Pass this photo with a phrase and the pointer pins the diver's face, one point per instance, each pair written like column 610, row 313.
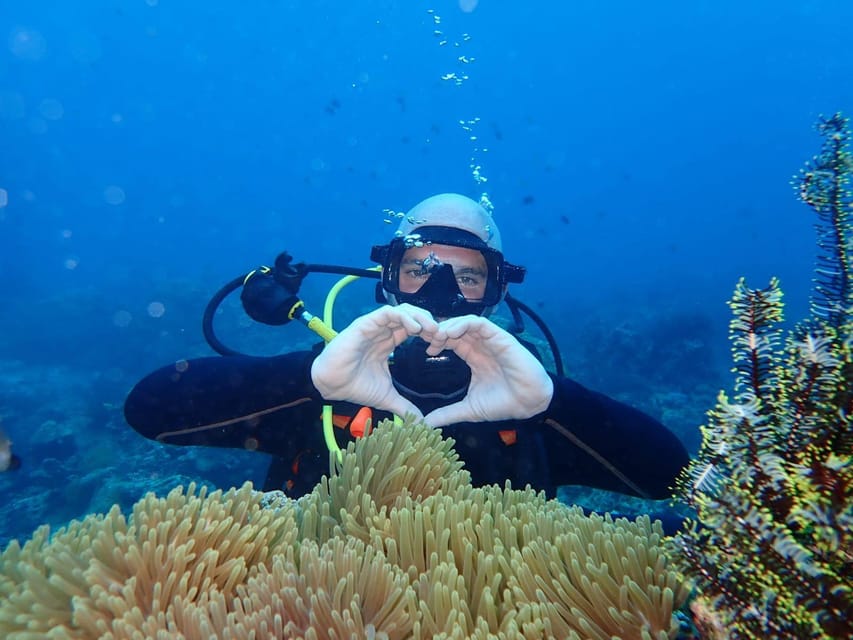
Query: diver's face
column 469, row 268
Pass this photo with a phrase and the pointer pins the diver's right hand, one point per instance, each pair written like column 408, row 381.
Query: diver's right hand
column 354, row 366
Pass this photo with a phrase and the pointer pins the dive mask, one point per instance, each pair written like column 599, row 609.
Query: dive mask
column 440, row 293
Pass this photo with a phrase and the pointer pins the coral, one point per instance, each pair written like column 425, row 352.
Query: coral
column 395, row 543
column 772, row 486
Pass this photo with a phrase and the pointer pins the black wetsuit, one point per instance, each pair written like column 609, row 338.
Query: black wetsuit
column 270, row 404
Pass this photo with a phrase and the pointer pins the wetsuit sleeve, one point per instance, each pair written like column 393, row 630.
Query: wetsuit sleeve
column 595, row 440
column 265, row 404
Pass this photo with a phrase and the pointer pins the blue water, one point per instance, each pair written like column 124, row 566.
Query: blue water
column 638, row 156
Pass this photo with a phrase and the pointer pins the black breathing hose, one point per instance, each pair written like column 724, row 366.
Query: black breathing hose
column 552, row 343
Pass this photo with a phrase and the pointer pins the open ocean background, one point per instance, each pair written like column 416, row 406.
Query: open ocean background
column 638, row 155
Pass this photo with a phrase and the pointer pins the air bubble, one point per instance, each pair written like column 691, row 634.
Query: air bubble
column 27, row 44
column 114, row 195
column 156, row 309
column 51, row 109
column 122, row 318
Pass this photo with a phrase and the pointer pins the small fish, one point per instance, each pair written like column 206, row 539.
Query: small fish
column 332, row 106
column 8, row 460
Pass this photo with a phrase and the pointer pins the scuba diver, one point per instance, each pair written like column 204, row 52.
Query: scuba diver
column 430, row 350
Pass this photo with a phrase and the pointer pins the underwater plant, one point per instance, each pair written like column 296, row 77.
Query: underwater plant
column 770, row 549
column 394, row 544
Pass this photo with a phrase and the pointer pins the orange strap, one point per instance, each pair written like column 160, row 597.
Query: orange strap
column 359, row 424
column 508, row 436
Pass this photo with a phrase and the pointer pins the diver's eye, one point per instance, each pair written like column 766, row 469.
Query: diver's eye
column 418, row 273
column 468, row 281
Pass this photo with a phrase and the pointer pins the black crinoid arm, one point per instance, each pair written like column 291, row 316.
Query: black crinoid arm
column 824, row 185
column 770, row 550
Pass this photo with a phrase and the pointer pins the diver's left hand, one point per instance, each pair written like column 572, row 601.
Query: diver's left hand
column 507, row 381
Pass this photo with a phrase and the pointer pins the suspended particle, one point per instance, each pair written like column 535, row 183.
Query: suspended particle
column 449, row 76
column 442, row 43
column 437, row 33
